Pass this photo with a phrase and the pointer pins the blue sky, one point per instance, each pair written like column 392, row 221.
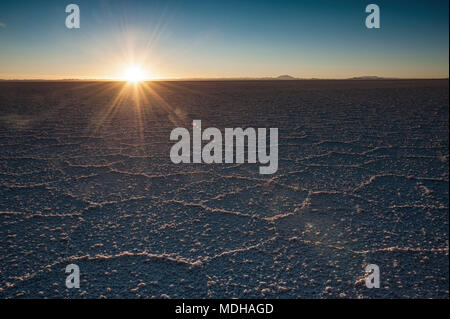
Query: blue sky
column 179, row 39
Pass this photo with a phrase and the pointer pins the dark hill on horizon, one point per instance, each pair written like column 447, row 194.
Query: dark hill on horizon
column 285, row 77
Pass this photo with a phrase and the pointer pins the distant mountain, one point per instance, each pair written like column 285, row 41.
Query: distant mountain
column 369, row 77
column 285, row 77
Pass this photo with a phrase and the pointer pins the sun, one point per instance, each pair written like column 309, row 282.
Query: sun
column 133, row 74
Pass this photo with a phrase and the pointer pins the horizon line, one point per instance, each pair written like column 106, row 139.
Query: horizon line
column 279, row 78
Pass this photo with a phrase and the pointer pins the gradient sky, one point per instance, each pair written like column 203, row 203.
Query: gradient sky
column 190, row 38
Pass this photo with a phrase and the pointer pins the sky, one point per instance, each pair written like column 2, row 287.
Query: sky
column 223, row 39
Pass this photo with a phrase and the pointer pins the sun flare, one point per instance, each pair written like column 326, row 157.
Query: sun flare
column 133, row 74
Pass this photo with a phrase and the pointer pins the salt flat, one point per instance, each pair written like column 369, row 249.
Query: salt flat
column 86, row 178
